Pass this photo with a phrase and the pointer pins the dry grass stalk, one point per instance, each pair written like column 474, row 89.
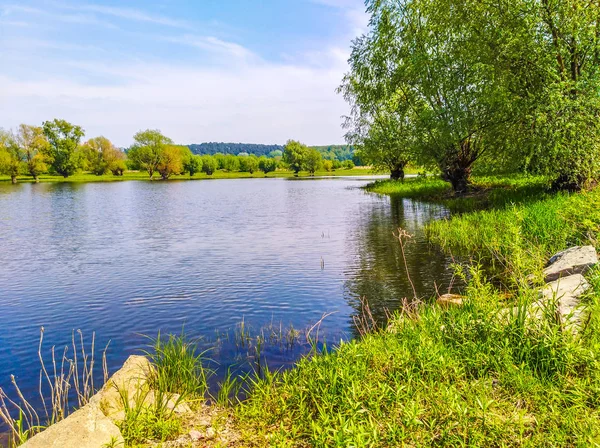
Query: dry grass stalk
column 58, row 388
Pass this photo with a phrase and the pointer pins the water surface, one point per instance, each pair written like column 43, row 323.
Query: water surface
column 130, row 258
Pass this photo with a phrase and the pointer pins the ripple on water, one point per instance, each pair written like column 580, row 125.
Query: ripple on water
column 132, row 258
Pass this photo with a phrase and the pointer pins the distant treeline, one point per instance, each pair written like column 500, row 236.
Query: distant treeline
column 331, row 152
column 57, row 147
column 213, row 148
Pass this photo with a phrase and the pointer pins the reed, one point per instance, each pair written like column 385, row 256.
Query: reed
column 179, row 366
column 69, row 378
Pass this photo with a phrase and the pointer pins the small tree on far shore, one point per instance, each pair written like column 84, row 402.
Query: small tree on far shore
column 267, row 165
column 312, row 161
column 193, row 164
column 35, row 149
column 294, row 155
column 147, row 150
column 209, row 165
column 64, row 139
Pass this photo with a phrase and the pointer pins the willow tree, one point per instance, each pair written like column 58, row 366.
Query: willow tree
column 103, row 156
column 35, row 149
column 64, row 138
column 148, row 148
column 565, row 124
column 385, row 138
column 10, row 156
column 430, row 54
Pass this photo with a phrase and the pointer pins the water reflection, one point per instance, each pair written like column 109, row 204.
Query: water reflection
column 379, row 272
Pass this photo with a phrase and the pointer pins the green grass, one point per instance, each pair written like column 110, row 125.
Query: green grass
column 487, row 191
column 451, row 377
column 519, row 238
column 143, row 176
column 178, row 367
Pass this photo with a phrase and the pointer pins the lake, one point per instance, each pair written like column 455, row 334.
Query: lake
column 128, row 259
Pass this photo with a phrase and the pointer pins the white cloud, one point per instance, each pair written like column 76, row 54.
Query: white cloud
column 126, row 13
column 252, row 103
column 212, row 44
column 353, row 10
column 77, row 18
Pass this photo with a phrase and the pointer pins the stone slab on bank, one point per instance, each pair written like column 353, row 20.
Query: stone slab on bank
column 86, row 428
column 574, row 260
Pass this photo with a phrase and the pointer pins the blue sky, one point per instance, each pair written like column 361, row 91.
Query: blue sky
column 205, row 70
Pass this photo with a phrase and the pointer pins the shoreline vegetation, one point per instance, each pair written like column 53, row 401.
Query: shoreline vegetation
column 142, row 176
column 468, row 375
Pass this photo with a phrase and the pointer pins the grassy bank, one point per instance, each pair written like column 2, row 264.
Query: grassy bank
column 458, row 377
column 220, row 174
column 468, row 376
column 475, row 375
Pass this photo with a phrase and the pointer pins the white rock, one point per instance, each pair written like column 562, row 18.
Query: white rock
column 86, row 428
column 575, row 260
column 129, row 381
column 567, row 291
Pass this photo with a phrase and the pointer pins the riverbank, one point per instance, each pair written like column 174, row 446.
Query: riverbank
column 459, row 376
column 220, row 174
column 473, row 375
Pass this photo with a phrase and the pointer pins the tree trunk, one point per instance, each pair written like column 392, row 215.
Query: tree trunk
column 13, row 179
column 397, row 173
column 36, row 178
column 458, row 176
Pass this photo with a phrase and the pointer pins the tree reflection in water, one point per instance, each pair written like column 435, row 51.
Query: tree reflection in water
column 379, row 272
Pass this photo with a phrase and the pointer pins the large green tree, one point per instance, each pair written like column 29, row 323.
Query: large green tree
column 10, row 156
column 294, row 155
column 267, row 165
column 35, row 149
column 565, row 124
column 148, row 149
column 509, row 82
column 102, row 156
column 429, row 57
column 64, row 138
column 312, row 161
column 385, row 138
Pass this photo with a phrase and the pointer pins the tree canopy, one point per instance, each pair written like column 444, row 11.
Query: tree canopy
column 64, row 139
column 508, row 82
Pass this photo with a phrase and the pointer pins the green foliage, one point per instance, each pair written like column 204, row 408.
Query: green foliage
column 468, row 376
column 312, row 161
column 10, row 156
column 171, row 160
column 267, row 165
column 102, row 156
column 193, row 164
column 248, row 164
column 148, row 149
column 328, row 165
column 35, row 149
column 508, row 84
column 230, row 162
column 294, row 155
column 64, row 139
column 209, row 165
column 385, row 138
column 178, row 367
